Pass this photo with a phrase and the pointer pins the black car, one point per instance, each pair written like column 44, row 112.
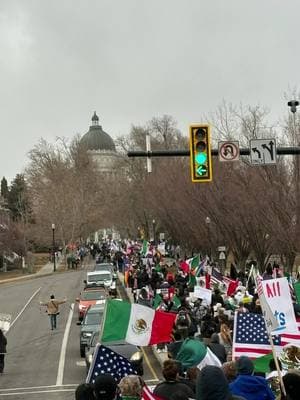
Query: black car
column 90, row 324
column 129, row 351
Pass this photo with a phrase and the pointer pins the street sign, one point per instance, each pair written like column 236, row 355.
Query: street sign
column 222, row 248
column 222, row 255
column 263, row 151
column 229, row 151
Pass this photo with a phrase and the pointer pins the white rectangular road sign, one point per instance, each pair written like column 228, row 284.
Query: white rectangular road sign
column 263, row 151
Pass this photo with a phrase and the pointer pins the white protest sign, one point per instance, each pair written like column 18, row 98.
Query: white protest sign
column 278, row 297
column 162, row 248
column 5, row 320
column 203, row 293
column 270, row 319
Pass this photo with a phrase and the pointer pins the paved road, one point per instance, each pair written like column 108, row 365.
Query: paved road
column 45, row 364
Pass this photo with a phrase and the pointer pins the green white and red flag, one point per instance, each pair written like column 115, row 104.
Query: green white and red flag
column 136, row 324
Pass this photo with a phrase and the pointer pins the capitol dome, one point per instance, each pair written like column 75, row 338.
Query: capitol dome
column 96, row 139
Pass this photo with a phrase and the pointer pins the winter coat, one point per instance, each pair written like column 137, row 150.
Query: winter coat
column 211, row 384
column 3, row 343
column 251, row 387
column 166, row 389
column 53, row 306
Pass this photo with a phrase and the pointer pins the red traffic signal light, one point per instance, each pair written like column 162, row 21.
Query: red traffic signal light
column 200, row 153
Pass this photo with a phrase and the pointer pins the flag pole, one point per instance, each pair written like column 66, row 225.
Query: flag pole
column 234, row 336
column 277, row 365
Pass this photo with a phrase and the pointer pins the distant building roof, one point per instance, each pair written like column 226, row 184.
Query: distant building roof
column 96, row 138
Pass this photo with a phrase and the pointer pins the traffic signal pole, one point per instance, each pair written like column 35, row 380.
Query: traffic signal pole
column 214, row 152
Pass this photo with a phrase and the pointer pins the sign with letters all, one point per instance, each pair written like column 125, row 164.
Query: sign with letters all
column 278, row 296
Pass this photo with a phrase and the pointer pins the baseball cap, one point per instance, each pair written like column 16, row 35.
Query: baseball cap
column 105, row 387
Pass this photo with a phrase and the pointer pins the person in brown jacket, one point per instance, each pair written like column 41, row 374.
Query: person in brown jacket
column 53, row 309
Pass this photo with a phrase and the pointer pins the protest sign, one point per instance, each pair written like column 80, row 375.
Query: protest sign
column 278, row 297
column 203, row 293
column 161, row 247
column 5, row 320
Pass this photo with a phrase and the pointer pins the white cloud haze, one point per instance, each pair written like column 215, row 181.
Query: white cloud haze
column 132, row 60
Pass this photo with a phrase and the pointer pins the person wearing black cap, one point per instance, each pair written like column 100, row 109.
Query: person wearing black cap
column 105, row 387
column 247, row 385
column 84, row 391
column 291, row 382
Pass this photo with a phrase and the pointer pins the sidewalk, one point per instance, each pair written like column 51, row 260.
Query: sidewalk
column 47, row 269
column 160, row 356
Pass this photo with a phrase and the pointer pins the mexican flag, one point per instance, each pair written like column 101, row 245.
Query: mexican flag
column 261, row 364
column 194, row 265
column 136, row 324
column 145, row 248
column 194, row 353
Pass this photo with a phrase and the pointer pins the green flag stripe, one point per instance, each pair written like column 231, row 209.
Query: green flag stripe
column 297, row 291
column 261, row 364
column 116, row 320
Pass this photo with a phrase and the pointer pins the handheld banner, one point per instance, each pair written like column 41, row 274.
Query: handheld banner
column 278, row 297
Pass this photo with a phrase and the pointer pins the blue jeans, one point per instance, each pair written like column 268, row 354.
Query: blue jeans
column 53, row 321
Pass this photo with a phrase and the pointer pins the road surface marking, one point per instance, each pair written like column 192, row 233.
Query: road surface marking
column 61, row 365
column 38, row 387
column 80, row 363
column 20, row 313
column 149, row 365
column 37, row 392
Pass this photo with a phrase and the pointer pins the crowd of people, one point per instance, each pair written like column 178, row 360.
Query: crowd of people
column 169, row 288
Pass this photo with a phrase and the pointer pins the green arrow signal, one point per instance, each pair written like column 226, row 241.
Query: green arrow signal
column 201, row 170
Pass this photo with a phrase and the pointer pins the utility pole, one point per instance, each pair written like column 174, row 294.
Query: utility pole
column 293, row 104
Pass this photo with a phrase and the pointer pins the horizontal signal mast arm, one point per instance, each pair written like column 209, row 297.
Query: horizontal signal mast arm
column 214, row 152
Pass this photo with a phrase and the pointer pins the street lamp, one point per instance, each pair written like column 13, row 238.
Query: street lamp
column 53, row 247
column 207, row 221
column 293, row 104
column 153, row 227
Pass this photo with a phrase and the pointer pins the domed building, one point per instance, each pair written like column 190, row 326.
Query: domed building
column 100, row 146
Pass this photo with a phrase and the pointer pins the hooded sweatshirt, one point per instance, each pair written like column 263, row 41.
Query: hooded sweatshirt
column 251, row 387
column 217, row 348
column 211, row 384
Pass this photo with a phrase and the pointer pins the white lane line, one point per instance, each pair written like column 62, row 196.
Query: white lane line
column 61, row 365
column 20, row 313
column 37, row 392
column 39, row 387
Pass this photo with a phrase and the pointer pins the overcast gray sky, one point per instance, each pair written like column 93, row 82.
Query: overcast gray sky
column 131, row 60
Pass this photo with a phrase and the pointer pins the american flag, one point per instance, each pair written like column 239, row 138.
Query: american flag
column 106, row 361
column 216, row 277
column 250, row 336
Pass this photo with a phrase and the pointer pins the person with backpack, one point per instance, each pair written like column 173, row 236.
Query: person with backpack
column 53, row 309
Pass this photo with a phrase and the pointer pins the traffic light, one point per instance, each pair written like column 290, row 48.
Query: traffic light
column 200, row 153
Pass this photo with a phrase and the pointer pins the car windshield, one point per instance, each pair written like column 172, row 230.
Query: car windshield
column 107, row 268
column 100, row 277
column 93, row 318
column 93, row 295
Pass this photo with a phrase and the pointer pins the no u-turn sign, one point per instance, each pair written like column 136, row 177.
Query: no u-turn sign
column 229, row 151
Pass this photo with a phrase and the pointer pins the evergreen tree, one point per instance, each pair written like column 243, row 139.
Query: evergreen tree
column 17, row 201
column 4, row 188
